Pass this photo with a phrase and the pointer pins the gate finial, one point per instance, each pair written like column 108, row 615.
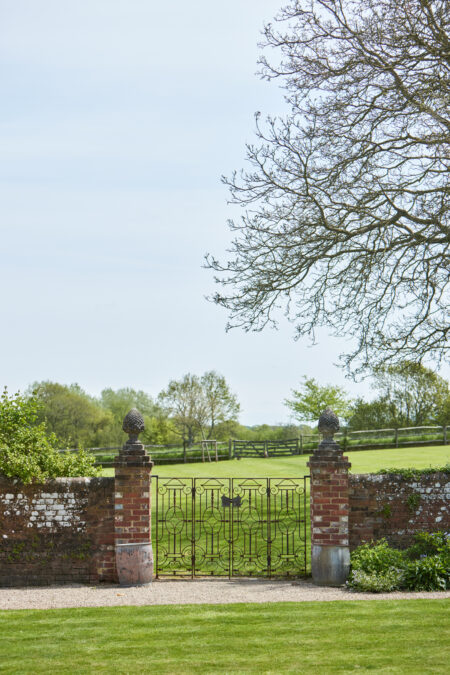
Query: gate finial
column 328, row 425
column 133, row 425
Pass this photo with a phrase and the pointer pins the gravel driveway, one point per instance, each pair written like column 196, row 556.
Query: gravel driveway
column 210, row 591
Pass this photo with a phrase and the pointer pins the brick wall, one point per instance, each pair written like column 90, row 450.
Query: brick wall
column 58, row 532
column 394, row 507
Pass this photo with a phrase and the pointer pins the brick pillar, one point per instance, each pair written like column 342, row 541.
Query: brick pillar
column 132, row 507
column 330, row 554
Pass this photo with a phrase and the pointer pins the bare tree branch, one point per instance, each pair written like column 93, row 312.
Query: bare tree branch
column 347, row 197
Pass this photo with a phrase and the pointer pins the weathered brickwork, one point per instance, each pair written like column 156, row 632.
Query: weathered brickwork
column 329, row 499
column 132, row 504
column 388, row 505
column 59, row 532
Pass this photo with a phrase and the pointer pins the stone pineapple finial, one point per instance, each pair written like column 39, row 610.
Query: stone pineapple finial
column 328, row 425
column 133, row 425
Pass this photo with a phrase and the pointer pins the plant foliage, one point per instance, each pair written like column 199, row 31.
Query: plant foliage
column 424, row 566
column 27, row 451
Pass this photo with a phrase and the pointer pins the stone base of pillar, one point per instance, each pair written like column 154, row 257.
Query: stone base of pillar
column 134, row 564
column 330, row 565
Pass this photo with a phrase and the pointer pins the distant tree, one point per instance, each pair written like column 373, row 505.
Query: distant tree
column 415, row 395
column 73, row 416
column 186, row 405
column 346, row 197
column 376, row 414
column 120, row 401
column 197, row 405
column 310, row 401
column 28, row 451
column 221, row 404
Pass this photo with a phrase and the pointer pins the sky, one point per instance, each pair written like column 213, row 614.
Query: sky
column 118, row 118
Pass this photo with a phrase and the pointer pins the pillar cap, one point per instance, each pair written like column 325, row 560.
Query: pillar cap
column 328, row 424
column 133, row 425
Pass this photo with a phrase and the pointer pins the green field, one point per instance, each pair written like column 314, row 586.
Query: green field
column 179, row 534
column 384, row 636
column 363, row 461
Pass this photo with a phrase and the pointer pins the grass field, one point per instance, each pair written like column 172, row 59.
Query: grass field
column 174, row 531
column 363, row 461
column 324, row 637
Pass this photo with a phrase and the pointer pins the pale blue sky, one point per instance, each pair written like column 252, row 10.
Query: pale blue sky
column 117, row 119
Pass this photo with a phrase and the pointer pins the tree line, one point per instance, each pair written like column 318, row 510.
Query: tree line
column 406, row 395
column 204, row 407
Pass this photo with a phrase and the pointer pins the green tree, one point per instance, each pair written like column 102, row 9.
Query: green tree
column 28, row 451
column 415, row 395
column 346, row 197
column 74, row 417
column 312, row 399
column 376, row 414
column 120, row 401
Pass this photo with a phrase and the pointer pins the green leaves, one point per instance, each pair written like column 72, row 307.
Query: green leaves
column 424, row 566
column 312, row 399
column 27, row 451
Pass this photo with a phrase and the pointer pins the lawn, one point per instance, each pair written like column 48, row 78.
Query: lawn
column 385, row 636
column 363, row 461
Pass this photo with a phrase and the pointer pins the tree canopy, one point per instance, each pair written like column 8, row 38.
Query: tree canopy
column 346, row 197
column 28, row 451
column 73, row 416
column 312, row 399
column 408, row 394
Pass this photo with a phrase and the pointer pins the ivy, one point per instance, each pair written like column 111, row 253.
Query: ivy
column 413, row 474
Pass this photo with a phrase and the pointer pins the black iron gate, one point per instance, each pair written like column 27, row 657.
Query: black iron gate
column 231, row 526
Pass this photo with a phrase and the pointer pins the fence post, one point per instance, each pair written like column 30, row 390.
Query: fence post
column 230, row 449
column 132, row 507
column 184, row 451
column 301, row 444
column 396, row 438
column 330, row 554
column 265, row 449
column 444, row 431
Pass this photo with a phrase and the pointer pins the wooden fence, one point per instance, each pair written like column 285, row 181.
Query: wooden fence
column 212, row 450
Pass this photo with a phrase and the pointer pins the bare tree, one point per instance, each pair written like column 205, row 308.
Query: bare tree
column 198, row 404
column 346, row 198
column 221, row 404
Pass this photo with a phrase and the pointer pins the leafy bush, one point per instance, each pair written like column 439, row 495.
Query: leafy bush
column 375, row 582
column 27, row 451
column 429, row 544
column 428, row 574
column 425, row 566
column 376, row 558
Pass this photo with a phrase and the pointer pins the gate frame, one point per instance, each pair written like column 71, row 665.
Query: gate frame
column 191, row 483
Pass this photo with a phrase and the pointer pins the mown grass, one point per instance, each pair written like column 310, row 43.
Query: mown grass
column 323, row 637
column 363, row 461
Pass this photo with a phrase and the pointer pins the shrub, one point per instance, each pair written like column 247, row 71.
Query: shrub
column 425, row 566
column 27, row 451
column 376, row 557
column 429, row 544
column 375, row 582
column 428, row 574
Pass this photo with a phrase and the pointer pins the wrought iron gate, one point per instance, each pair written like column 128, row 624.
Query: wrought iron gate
column 230, row 526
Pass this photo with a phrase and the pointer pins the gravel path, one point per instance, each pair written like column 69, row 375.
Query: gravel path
column 187, row 592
